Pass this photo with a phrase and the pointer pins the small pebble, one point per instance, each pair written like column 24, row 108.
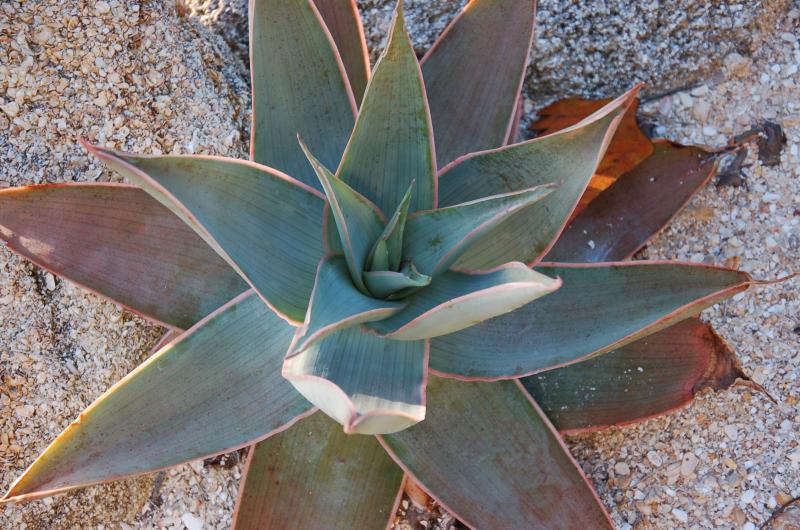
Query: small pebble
column 192, row 522
column 748, row 496
column 680, row 515
column 621, row 468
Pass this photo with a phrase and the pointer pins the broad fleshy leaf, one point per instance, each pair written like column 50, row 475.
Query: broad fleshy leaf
column 627, row 149
column 223, row 372
column 388, row 250
column 336, row 304
column 392, row 143
column 265, row 224
column 313, row 476
column 386, row 283
column 358, row 221
column 299, row 87
column 617, row 223
column 368, row 384
column 121, row 243
column 652, row 376
column 516, row 473
column 599, row 308
column 473, row 75
column 456, row 300
column 435, row 239
column 568, row 157
column 344, row 22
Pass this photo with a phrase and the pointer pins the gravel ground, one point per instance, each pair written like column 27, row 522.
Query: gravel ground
column 724, row 462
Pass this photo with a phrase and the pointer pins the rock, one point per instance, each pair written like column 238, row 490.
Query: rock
column 622, row 469
column 654, row 458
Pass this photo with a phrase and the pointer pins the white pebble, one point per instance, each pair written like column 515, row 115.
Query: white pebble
column 50, row 282
column 622, row 469
column 748, row 496
column 731, row 432
column 654, row 459
column 786, row 425
column 101, row 8
column 192, row 522
column 680, row 515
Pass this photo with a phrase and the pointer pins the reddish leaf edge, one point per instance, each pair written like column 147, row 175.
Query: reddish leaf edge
column 354, row 419
column 427, row 108
column 553, row 432
column 118, row 157
column 511, row 125
column 662, row 322
column 724, row 372
column 18, row 499
column 9, row 245
column 334, row 49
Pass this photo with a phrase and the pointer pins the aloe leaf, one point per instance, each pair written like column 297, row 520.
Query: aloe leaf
column 568, row 157
column 456, row 300
column 509, row 467
column 229, row 361
column 652, row 376
column 358, row 221
column 368, row 384
column 265, row 224
column 119, row 242
column 392, row 143
column 435, row 239
column 336, row 304
column 313, row 476
column 299, row 87
column 388, row 250
column 600, row 307
column 384, row 283
column 344, row 22
column 474, row 73
column 619, row 222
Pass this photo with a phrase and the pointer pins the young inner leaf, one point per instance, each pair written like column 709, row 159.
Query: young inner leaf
column 388, row 249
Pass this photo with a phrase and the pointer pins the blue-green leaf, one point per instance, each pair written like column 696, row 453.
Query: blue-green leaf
column 386, row 283
column 392, row 143
column 568, row 157
column 368, row 384
column 336, row 304
column 599, row 308
column 179, row 404
column 265, row 224
column 388, row 250
column 456, row 300
column 436, row 238
column 299, row 87
column 358, row 221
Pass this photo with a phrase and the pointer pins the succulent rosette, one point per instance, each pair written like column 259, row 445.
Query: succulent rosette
column 356, row 267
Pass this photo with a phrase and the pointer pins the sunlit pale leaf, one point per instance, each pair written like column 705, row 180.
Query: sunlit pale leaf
column 368, row 384
column 456, row 300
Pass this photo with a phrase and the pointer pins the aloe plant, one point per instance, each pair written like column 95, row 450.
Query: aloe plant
column 352, row 267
